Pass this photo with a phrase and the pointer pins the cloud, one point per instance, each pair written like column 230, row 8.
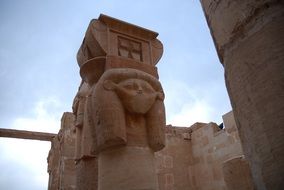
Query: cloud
column 23, row 164
column 25, row 161
column 198, row 110
column 45, row 118
column 186, row 105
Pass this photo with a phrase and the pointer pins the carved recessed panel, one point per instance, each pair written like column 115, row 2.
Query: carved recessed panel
column 129, row 48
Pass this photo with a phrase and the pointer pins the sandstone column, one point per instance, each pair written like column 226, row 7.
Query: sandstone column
column 249, row 39
column 124, row 114
column 129, row 122
column 85, row 157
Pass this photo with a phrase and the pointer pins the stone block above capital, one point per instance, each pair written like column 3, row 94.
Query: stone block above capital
column 112, row 43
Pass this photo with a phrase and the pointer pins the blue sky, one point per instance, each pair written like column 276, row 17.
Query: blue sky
column 40, row 76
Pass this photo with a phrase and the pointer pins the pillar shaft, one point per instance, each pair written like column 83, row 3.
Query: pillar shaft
column 124, row 114
column 248, row 36
column 127, row 168
column 87, row 174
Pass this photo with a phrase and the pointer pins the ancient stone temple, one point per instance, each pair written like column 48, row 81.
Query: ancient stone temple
column 117, row 138
column 201, row 156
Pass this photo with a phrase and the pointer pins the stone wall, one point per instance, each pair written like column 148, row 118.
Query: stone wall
column 237, row 174
column 192, row 159
column 172, row 162
column 61, row 164
column 211, row 146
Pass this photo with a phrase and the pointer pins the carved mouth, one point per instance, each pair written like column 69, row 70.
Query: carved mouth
column 140, row 103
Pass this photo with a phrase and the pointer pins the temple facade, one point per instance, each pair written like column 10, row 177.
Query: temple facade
column 201, row 156
column 116, row 138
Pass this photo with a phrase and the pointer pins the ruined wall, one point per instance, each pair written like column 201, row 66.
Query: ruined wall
column 172, row 162
column 192, row 159
column 61, row 164
column 211, row 146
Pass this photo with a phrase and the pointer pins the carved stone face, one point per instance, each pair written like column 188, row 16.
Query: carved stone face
column 137, row 95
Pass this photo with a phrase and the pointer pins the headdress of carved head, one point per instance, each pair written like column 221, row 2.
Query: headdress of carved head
column 128, row 91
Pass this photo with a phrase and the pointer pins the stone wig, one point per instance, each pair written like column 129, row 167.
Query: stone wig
column 109, row 112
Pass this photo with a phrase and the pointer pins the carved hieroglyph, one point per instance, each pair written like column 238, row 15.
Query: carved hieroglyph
column 120, row 114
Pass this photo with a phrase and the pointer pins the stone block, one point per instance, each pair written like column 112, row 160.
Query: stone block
column 237, row 174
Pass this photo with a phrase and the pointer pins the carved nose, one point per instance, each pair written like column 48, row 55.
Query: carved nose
column 139, row 91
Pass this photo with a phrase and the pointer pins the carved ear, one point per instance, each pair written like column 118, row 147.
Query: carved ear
column 109, row 85
column 160, row 96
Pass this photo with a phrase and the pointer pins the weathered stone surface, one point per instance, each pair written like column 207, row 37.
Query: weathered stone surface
column 249, row 39
column 86, row 174
column 22, row 134
column 237, row 174
column 53, row 161
column 129, row 110
column 61, row 163
column 111, row 43
column 172, row 162
column 84, row 139
column 119, row 107
column 192, row 159
column 130, row 167
column 85, row 151
column 210, row 148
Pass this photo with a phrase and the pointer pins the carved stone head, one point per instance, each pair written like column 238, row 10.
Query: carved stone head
column 128, row 91
column 136, row 95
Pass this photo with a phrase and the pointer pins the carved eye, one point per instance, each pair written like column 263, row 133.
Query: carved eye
column 147, row 88
column 129, row 86
column 132, row 85
column 135, row 86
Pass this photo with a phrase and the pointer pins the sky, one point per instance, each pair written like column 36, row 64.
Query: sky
column 39, row 74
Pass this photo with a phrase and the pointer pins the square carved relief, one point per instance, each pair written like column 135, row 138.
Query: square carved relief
column 129, row 48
